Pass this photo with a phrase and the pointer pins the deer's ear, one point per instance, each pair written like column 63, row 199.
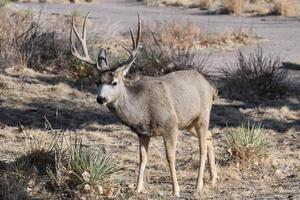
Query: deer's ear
column 123, row 70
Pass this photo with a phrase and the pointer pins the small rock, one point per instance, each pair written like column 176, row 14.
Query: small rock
column 99, row 189
column 87, row 188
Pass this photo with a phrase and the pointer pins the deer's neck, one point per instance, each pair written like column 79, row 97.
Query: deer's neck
column 129, row 108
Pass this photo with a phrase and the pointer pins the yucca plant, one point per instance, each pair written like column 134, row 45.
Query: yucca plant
column 247, row 142
column 88, row 167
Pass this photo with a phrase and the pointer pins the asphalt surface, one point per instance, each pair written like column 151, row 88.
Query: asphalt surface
column 281, row 35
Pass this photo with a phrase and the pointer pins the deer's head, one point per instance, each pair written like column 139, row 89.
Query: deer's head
column 110, row 85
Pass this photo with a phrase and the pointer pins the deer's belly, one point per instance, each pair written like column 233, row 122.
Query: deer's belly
column 147, row 130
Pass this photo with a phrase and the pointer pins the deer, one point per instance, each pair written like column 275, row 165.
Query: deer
column 154, row 106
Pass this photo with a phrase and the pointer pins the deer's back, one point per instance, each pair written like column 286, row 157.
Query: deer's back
column 186, row 95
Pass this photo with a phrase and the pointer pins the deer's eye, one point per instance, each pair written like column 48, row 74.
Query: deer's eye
column 114, row 83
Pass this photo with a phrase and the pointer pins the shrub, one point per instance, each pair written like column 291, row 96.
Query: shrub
column 12, row 186
column 256, row 77
column 61, row 163
column 88, row 167
column 283, row 7
column 232, row 6
column 37, row 154
column 206, row 4
column 247, row 142
column 170, row 46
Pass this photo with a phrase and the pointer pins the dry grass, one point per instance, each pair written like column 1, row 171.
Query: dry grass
column 206, row 4
column 283, row 7
column 31, row 93
column 56, row 163
column 202, row 4
column 27, row 96
column 170, row 46
column 235, row 7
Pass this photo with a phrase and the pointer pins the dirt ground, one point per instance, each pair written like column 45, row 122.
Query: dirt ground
column 28, row 98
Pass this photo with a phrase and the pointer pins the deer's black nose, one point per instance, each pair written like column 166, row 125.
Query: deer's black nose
column 101, row 100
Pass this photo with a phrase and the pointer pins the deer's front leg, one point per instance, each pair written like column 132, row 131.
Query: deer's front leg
column 144, row 143
column 170, row 140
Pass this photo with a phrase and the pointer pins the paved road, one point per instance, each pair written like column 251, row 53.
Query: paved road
column 282, row 34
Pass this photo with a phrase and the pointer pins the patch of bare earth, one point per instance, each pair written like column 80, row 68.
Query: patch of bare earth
column 28, row 97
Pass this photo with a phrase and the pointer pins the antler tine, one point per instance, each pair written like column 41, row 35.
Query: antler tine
column 132, row 39
column 86, row 58
column 135, row 46
column 139, row 31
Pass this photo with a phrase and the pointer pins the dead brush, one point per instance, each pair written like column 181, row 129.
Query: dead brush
column 12, row 186
column 170, row 46
column 235, row 7
column 283, row 7
column 206, row 4
column 12, row 24
column 63, row 163
column 247, row 143
column 256, row 77
column 37, row 49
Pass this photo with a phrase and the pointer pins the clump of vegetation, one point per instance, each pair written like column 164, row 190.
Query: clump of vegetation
column 37, row 154
column 25, row 43
column 12, row 186
column 233, row 6
column 247, row 143
column 61, row 164
column 283, row 7
column 206, row 4
column 90, row 167
column 256, row 77
column 170, row 46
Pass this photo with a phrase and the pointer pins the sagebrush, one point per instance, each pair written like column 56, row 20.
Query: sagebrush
column 255, row 77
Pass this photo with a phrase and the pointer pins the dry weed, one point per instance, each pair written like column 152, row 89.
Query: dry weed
column 283, row 7
column 170, row 46
column 232, row 7
column 255, row 77
column 206, row 4
column 184, row 3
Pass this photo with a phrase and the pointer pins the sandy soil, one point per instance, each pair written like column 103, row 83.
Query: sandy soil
column 28, row 97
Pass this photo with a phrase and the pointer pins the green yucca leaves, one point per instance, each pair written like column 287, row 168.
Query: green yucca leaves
column 90, row 167
column 247, row 142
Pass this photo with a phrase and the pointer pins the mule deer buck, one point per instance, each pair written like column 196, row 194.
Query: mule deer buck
column 154, row 106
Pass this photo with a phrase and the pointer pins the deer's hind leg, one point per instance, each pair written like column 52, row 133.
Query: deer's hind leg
column 201, row 128
column 211, row 159
column 210, row 154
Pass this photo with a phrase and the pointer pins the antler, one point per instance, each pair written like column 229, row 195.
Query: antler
column 101, row 63
column 135, row 45
column 86, row 58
